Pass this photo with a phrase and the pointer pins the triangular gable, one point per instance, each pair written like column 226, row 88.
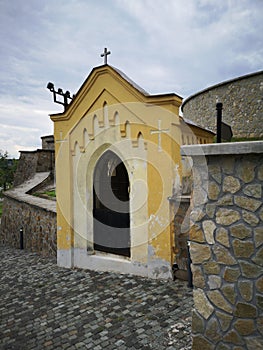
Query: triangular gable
column 112, row 118
column 112, row 79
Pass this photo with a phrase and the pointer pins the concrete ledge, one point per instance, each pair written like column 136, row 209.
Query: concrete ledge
column 223, row 148
column 155, row 269
column 20, row 193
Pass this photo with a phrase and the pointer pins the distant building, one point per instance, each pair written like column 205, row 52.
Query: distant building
column 40, row 160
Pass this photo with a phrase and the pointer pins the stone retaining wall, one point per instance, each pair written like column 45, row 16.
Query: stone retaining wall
column 27, row 165
column 227, row 246
column 242, row 105
column 180, row 228
column 48, row 142
column 38, row 224
column 31, row 162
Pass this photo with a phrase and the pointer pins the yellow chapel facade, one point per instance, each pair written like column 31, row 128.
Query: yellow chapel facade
column 117, row 163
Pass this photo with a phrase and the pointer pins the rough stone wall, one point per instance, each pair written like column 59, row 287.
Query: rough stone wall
column 48, row 142
column 227, row 247
column 180, row 227
column 39, row 227
column 242, row 105
column 32, row 162
column 46, row 160
column 26, row 167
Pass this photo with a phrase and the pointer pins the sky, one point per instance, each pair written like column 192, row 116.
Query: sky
column 179, row 46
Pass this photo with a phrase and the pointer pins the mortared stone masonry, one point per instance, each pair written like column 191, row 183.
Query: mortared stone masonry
column 226, row 246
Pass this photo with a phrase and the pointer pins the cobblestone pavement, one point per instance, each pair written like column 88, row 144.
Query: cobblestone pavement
column 43, row 306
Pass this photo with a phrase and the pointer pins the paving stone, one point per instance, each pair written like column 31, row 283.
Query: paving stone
column 44, row 306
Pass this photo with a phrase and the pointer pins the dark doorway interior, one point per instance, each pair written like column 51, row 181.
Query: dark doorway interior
column 111, row 215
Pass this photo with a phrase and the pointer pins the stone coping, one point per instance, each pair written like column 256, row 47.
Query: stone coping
column 20, row 193
column 222, row 148
column 39, row 150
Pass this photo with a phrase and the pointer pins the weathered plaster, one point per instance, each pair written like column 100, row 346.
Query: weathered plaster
column 108, row 113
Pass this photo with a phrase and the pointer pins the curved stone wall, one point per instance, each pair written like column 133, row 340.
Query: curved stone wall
column 242, row 105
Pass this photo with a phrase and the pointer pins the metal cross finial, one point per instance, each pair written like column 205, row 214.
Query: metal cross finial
column 105, row 54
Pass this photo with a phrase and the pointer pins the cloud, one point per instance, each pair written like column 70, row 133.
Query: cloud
column 22, row 123
column 195, row 38
column 177, row 46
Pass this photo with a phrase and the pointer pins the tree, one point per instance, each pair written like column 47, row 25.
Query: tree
column 7, row 170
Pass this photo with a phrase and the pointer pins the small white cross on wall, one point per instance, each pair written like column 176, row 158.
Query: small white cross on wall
column 105, row 54
column 159, row 132
column 61, row 140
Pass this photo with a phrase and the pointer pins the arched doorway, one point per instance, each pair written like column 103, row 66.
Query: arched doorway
column 111, row 216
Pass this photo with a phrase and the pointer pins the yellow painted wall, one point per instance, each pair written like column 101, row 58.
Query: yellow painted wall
column 90, row 125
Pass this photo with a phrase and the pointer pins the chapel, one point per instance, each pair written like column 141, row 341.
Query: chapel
column 118, row 162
